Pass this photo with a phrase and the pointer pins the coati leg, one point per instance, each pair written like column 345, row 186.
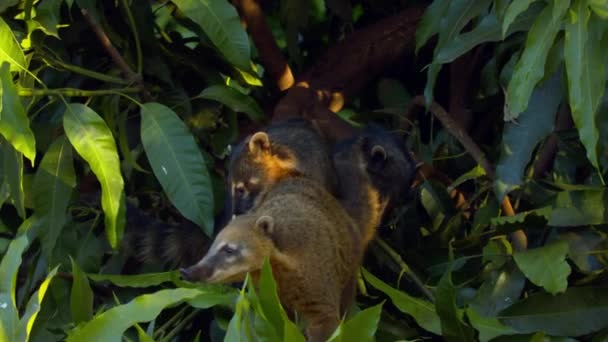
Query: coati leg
column 348, row 296
column 322, row 326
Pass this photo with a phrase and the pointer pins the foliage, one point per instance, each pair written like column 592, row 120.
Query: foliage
column 83, row 132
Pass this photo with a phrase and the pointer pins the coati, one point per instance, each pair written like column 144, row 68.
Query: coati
column 284, row 149
column 374, row 171
column 313, row 245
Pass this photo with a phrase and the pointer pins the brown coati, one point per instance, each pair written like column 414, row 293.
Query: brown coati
column 284, row 149
column 374, row 172
column 313, row 245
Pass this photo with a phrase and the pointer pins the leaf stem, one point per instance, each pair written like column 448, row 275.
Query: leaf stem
column 74, row 92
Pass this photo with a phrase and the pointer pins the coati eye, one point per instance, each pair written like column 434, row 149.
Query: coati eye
column 228, row 250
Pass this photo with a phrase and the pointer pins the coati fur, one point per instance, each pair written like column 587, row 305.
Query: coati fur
column 375, row 172
column 284, row 149
column 313, row 245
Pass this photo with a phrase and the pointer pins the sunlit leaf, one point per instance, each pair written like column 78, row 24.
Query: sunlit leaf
column 546, row 266
column 235, row 100
column 143, row 308
column 33, row 307
column 14, row 123
column 93, row 141
column 530, row 68
column 520, row 138
column 362, row 327
column 53, row 185
column 221, row 23
column 585, row 66
column 177, row 164
column 600, row 7
column 81, row 296
column 422, row 311
column 10, row 51
column 578, row 311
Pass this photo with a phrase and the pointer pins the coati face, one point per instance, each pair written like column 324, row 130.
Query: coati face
column 254, row 168
column 238, row 249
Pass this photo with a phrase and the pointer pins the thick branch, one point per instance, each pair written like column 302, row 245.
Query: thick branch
column 131, row 76
column 270, row 54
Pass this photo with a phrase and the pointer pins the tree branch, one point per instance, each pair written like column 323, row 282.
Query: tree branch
column 131, row 76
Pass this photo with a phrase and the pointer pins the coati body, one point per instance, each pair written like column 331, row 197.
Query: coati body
column 284, row 149
column 313, row 245
column 374, row 172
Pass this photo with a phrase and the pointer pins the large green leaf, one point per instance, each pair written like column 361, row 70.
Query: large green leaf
column 234, row 99
column 362, row 327
column 9, row 315
column 579, row 208
column 499, row 291
column 453, row 328
column 513, row 11
column 422, row 311
column 13, row 175
column 178, row 164
column 136, row 280
column 33, row 308
column 269, row 299
column 240, row 328
column 53, row 185
column 81, row 296
column 488, row 327
column 458, row 14
column 93, row 140
column 143, row 308
column 520, row 138
column 14, row 123
column 578, row 311
column 9, row 48
column 430, row 21
column 546, row 266
column 600, row 7
column 221, row 23
column 530, row 68
column 585, row 66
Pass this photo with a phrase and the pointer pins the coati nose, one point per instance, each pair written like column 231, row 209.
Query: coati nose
column 186, row 273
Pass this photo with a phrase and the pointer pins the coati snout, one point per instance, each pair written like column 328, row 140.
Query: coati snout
column 235, row 251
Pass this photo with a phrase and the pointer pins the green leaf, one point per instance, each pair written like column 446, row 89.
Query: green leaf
column 546, row 266
column 488, row 327
column 81, row 296
column 579, row 208
column 33, row 308
column 530, row 68
column 9, row 315
column 222, row 25
column 178, row 164
column 53, row 185
column 513, row 11
column 422, row 311
column 520, row 138
column 14, row 123
column 458, row 14
column 578, row 311
column 499, row 291
column 48, row 14
column 10, row 51
column 13, row 173
column 234, row 100
column 600, row 7
column 585, row 66
column 143, row 308
column 453, row 328
column 430, row 21
column 94, row 142
column 362, row 327
column 239, row 328
column 269, row 299
column 137, row 280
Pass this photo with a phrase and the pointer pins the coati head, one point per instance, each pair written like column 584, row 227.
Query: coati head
column 256, row 165
column 387, row 161
column 239, row 248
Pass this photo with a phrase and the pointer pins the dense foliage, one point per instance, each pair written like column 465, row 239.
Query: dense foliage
column 504, row 233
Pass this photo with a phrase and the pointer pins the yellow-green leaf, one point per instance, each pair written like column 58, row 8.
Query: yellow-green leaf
column 14, row 123
column 33, row 308
column 10, row 51
column 94, row 142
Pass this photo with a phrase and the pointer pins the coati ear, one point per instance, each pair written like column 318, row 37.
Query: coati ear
column 259, row 143
column 377, row 154
column 265, row 223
